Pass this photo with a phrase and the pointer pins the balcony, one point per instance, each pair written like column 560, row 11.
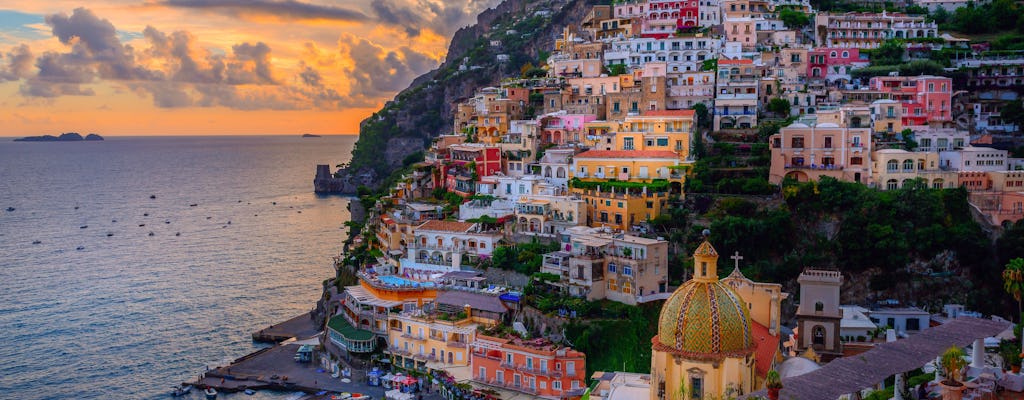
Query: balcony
column 457, row 344
column 413, row 337
column 734, row 112
column 816, row 167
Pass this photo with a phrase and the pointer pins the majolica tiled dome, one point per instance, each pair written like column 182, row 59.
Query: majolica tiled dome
column 705, row 319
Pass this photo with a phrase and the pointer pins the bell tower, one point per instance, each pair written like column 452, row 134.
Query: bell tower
column 705, row 261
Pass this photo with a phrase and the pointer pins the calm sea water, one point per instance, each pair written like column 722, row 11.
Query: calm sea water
column 140, row 308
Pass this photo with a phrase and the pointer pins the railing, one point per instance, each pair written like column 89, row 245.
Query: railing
column 413, row 337
column 457, row 344
column 816, row 167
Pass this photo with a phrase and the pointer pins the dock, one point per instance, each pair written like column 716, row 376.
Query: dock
column 298, row 328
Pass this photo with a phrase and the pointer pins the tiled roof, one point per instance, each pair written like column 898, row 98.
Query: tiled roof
column 767, row 347
column 445, row 226
column 705, row 320
column 851, row 374
column 478, row 301
column 340, row 324
column 627, row 154
column 669, row 113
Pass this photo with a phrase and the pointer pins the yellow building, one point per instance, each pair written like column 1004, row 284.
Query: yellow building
column 708, row 344
column 439, row 339
column 657, row 131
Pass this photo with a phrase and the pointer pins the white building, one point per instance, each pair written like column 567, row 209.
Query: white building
column 941, row 139
column 975, row 159
column 438, row 246
column 681, row 54
column 904, row 320
column 856, row 324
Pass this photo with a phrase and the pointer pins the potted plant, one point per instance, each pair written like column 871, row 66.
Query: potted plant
column 773, row 383
column 952, row 363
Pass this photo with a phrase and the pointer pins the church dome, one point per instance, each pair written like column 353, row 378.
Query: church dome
column 704, row 318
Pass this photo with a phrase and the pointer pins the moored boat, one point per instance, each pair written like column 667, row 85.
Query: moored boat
column 180, row 390
column 210, row 393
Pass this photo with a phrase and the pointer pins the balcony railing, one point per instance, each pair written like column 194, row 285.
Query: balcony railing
column 816, row 167
column 413, row 337
column 457, row 344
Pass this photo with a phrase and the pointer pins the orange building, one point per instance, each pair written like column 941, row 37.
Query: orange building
column 537, row 367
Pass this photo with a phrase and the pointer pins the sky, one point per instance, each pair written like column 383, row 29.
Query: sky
column 213, row 67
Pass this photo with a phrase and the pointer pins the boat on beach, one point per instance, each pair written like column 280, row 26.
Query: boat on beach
column 210, row 393
column 181, row 390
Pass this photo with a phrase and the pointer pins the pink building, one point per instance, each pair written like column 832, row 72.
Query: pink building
column 833, row 63
column 562, row 128
column 664, row 17
column 926, row 99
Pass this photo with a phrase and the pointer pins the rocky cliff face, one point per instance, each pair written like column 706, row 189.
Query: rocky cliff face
column 526, row 28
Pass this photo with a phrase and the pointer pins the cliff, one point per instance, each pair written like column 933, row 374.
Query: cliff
column 406, row 125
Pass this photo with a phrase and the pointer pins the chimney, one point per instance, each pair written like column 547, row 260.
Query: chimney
column 469, row 310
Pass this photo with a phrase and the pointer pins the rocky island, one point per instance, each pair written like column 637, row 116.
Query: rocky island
column 64, row 137
column 309, row 135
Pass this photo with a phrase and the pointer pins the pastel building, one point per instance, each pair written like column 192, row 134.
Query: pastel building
column 536, row 367
column 548, row 215
column 438, row 246
column 974, row 159
column 664, row 17
column 362, row 316
column 833, row 64
column 603, row 265
column 736, row 94
column 808, row 152
column 869, row 30
column 896, row 168
column 926, row 100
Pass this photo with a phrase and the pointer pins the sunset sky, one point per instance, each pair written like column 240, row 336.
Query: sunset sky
column 184, row 67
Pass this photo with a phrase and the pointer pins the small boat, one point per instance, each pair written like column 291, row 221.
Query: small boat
column 110, row 234
column 250, row 392
column 210, row 393
column 181, row 390
column 151, row 234
column 142, row 225
column 80, row 248
column 37, row 242
column 177, row 234
column 152, row 196
column 145, row 214
column 193, row 204
column 9, row 209
column 83, row 227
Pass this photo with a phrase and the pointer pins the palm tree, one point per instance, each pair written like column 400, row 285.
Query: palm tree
column 1013, row 280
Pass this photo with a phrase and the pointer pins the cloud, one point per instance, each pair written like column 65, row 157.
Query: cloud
column 18, row 65
column 284, row 9
column 441, row 16
column 378, row 72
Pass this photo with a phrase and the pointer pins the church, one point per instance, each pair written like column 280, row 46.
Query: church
column 716, row 338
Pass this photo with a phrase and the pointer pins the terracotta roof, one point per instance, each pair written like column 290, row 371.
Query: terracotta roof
column 446, row 226
column 767, row 348
column 850, row 374
column 730, row 62
column 669, row 113
column 627, row 154
column 477, row 301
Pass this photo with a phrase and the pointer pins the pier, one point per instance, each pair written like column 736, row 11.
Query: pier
column 299, row 328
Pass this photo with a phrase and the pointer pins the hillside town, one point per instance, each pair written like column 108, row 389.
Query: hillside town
column 545, row 187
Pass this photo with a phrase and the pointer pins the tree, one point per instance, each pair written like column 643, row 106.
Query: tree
column 1013, row 112
column 794, row 19
column 940, row 16
column 709, row 65
column 616, row 69
column 1013, row 280
column 779, row 106
column 909, row 144
column 889, row 53
column 701, row 112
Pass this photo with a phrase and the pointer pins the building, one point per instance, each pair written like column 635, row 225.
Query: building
column 904, row 320
column 868, row 30
column 439, row 246
column 548, row 215
column 604, row 265
column 833, row 64
column 736, row 95
column 974, row 159
column 365, row 307
column 664, row 17
column 804, row 153
column 856, row 326
column 536, row 367
column 657, row 131
column 896, row 168
column 708, row 344
column 819, row 316
column 926, row 100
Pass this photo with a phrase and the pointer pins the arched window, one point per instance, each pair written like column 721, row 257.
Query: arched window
column 818, row 335
column 937, row 183
column 892, row 166
column 892, row 184
column 908, row 165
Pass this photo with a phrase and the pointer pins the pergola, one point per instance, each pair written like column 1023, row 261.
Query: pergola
column 851, row 374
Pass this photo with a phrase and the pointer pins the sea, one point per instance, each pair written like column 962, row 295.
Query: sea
column 132, row 264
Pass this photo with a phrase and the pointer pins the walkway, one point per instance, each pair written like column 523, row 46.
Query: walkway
column 851, row 374
column 301, row 327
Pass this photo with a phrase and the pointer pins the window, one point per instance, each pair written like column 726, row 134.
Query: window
column 696, row 387
column 892, row 185
column 557, row 385
column 628, row 271
column 615, row 107
column 819, row 306
column 662, row 141
column 798, row 142
column 890, row 322
column 611, row 267
column 908, row 165
column 913, row 324
column 892, row 166
column 627, row 143
column 828, row 142
column 856, row 161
